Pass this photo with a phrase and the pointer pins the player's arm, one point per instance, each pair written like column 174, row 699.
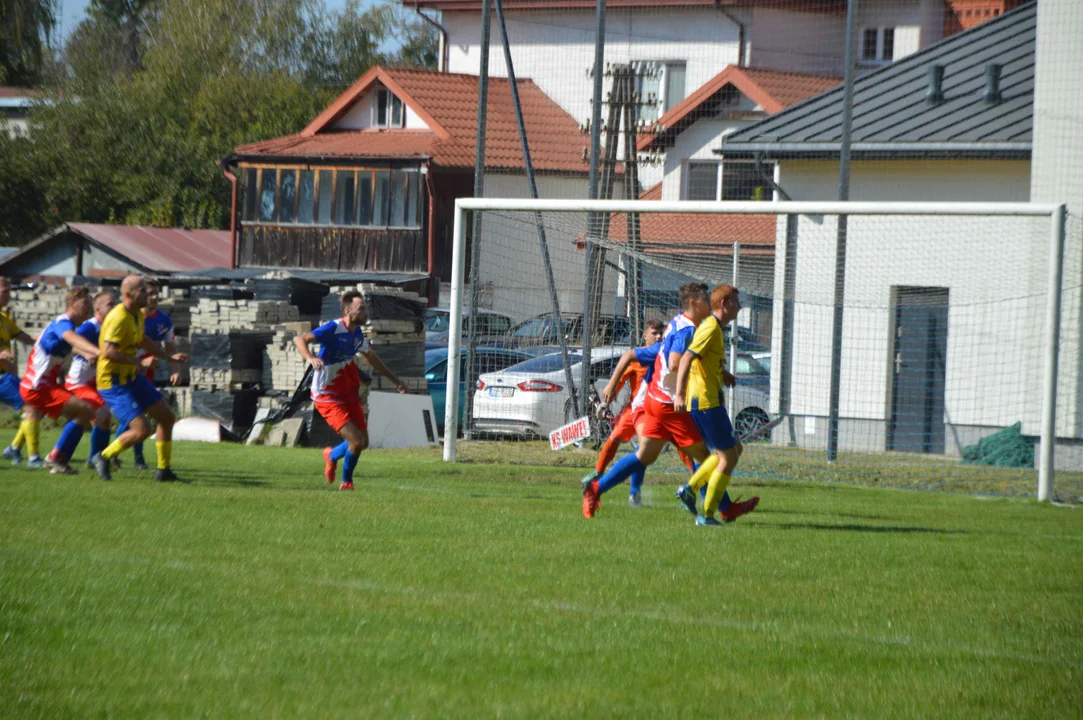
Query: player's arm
column 81, row 345
column 24, row 338
column 6, row 364
column 617, row 380
column 111, row 351
column 302, row 342
column 683, row 366
column 376, row 362
column 151, row 348
column 171, row 350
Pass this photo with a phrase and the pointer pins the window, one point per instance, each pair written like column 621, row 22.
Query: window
column 287, row 196
column 438, row 372
column 251, row 193
column 327, row 180
column 344, row 197
column 398, row 197
column 390, row 112
column 380, row 198
column 364, row 198
column 306, row 196
column 743, row 181
column 702, row 181
column 659, row 86
column 412, row 218
column 267, row 183
column 877, row 45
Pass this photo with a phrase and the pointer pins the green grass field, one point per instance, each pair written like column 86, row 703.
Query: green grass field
column 478, row 590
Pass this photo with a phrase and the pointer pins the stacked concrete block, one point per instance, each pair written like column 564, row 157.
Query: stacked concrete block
column 222, row 316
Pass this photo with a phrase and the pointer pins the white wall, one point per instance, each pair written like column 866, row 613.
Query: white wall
column 801, row 42
column 512, row 275
column 363, row 112
column 698, row 142
column 993, row 270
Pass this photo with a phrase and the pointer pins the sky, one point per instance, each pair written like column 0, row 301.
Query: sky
column 72, row 11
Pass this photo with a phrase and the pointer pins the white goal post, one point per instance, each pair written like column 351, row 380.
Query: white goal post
column 1056, row 215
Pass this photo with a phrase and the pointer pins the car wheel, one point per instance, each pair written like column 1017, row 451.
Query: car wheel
column 749, row 422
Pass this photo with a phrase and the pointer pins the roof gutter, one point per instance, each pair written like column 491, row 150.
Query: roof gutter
column 1013, row 150
column 443, row 59
column 225, row 164
column 740, row 33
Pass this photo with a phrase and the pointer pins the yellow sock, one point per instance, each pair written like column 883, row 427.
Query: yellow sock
column 716, row 487
column 700, row 476
column 165, row 453
column 115, row 448
column 20, row 437
column 32, row 431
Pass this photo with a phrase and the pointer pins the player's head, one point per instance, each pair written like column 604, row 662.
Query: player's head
column 79, row 305
column 152, row 295
column 695, row 300
column 5, row 292
column 103, row 303
column 133, row 292
column 652, row 331
column 725, row 303
column 353, row 307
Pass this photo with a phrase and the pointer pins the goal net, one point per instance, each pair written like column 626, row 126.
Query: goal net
column 879, row 343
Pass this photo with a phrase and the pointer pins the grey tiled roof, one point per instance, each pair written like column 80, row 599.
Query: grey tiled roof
column 891, row 115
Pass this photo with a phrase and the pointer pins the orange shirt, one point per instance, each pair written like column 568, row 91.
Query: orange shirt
column 633, row 376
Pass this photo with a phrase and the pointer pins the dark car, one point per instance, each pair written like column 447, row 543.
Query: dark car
column 490, row 325
column 488, row 360
column 541, row 330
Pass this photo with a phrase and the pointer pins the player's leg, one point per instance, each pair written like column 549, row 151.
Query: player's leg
column 356, row 441
column 80, row 414
column 623, row 431
column 32, row 429
column 9, row 395
column 165, row 419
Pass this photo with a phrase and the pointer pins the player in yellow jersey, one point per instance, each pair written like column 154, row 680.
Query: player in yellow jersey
column 124, row 387
column 29, row 431
column 700, row 377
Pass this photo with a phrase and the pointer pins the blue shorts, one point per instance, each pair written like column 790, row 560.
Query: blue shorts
column 714, row 427
column 9, row 391
column 129, row 401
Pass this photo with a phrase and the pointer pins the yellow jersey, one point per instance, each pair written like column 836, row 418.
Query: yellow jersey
column 125, row 330
column 704, row 386
column 8, row 331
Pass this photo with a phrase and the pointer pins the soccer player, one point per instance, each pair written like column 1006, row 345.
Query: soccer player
column 701, row 374
column 29, row 430
column 336, row 383
column 158, row 327
column 40, row 386
column 658, row 423
column 624, row 424
column 126, row 390
column 82, row 380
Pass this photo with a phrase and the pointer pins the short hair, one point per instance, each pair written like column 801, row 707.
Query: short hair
column 152, row 283
column 76, row 294
column 720, row 294
column 655, row 324
column 5, row 281
column 104, row 293
column 349, row 296
column 690, row 291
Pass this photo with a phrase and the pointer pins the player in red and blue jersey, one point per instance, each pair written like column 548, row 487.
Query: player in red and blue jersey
column 9, row 383
column 40, row 386
column 158, row 328
column 82, row 380
column 658, row 424
column 336, row 383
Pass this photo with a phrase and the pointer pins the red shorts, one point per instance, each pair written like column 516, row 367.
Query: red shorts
column 660, row 422
column 624, row 427
column 49, row 399
column 338, row 413
column 90, row 394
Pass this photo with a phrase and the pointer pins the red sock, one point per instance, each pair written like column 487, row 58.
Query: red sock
column 687, row 460
column 609, row 451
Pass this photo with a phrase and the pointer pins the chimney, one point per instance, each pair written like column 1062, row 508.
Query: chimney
column 934, row 95
column 992, row 96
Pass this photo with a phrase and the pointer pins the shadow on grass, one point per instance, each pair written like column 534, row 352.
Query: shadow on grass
column 902, row 530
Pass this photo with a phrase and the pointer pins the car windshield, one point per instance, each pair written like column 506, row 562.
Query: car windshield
column 543, row 364
column 437, row 321
column 747, row 366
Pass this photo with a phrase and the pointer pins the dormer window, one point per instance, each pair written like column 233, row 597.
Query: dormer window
column 389, row 110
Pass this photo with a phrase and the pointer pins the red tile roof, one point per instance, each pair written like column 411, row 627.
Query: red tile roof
column 17, row 92
column 696, row 234
column 772, row 90
column 447, row 102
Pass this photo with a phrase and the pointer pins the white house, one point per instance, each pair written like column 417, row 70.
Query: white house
column 943, row 317
column 15, row 106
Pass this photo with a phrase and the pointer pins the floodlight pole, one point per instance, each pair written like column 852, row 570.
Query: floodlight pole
column 1052, row 354
column 840, row 243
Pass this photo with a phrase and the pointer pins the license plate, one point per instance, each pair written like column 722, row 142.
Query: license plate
column 501, row 392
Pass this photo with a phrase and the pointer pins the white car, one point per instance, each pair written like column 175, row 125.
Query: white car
column 531, row 399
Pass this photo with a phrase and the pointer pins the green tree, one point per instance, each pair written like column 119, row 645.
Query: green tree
column 25, row 30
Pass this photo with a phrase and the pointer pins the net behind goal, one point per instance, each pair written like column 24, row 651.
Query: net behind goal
column 948, row 320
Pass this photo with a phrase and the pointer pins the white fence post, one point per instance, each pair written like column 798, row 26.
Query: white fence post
column 454, row 340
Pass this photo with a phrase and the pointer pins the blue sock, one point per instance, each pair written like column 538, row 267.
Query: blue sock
column 724, row 503
column 339, row 451
column 137, row 449
column 99, row 440
column 636, row 482
column 621, row 470
column 120, row 431
column 69, row 440
column 347, row 467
